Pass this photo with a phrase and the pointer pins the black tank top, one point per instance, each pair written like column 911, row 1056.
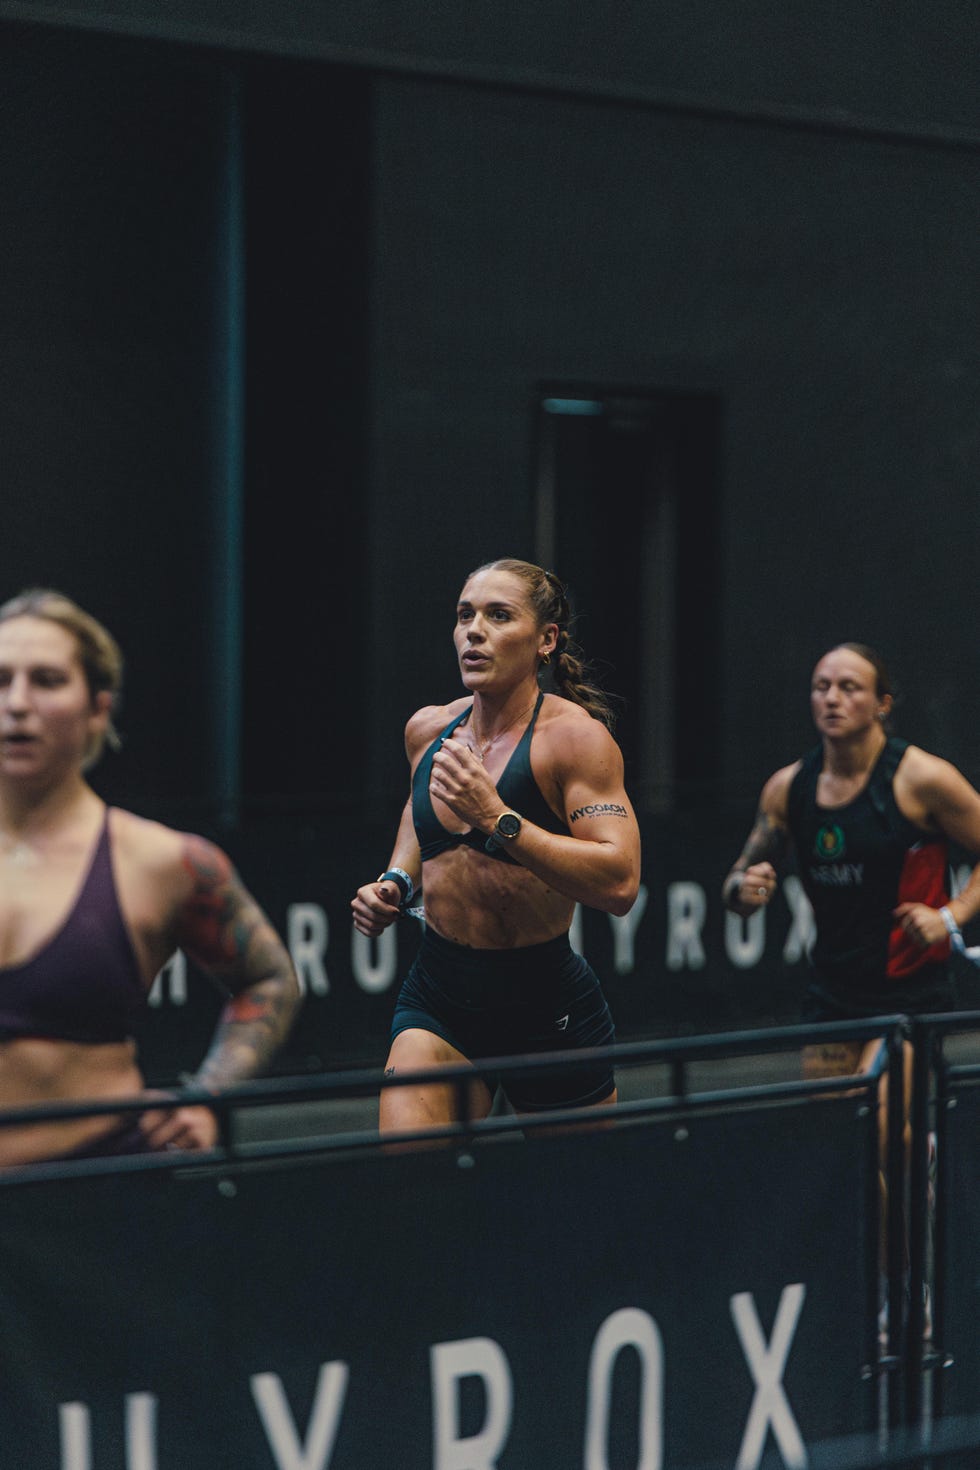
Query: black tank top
column 857, row 863
column 516, row 786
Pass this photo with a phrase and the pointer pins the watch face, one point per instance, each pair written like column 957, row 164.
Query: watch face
column 508, row 824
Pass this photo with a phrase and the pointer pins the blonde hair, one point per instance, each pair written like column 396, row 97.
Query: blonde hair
column 549, row 602
column 100, row 654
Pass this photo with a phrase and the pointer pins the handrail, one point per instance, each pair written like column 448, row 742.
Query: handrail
column 464, row 1134
column 674, row 1053
column 325, row 1086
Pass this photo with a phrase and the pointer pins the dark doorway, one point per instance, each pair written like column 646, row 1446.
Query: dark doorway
column 627, row 512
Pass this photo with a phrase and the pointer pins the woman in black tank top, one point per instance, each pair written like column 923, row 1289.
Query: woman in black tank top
column 868, row 817
column 516, row 812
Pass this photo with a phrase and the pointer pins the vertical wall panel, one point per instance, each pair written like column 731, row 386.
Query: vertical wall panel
column 307, row 187
column 112, row 282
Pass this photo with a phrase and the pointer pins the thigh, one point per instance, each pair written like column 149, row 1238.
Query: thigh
column 425, row 1103
column 417, row 1047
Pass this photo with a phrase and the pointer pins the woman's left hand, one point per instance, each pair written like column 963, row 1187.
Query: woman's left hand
column 460, row 780
column 180, row 1128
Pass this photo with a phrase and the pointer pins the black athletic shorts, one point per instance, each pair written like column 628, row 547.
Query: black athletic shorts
column 930, row 990
column 509, row 1002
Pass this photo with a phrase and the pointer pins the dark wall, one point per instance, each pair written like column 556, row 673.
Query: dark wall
column 912, row 66
column 275, row 330
column 823, row 285
column 113, row 320
column 182, row 300
column 306, row 146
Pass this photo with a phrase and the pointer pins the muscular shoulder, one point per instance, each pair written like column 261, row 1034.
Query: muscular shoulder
column 775, row 794
column 570, row 740
column 919, row 765
column 927, row 776
column 935, row 795
column 158, row 859
column 426, row 724
column 144, row 846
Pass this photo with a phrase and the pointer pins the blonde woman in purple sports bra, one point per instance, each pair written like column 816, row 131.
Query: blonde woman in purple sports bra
column 517, row 811
column 94, row 901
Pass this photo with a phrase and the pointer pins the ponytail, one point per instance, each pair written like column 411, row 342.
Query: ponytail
column 549, row 600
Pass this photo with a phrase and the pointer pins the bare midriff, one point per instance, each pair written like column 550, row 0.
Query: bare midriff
column 39, row 1070
column 484, row 903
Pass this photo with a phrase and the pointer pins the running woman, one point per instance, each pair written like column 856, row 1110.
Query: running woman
column 95, row 900
column 517, row 812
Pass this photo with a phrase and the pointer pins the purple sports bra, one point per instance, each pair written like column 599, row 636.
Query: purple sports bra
column 85, row 984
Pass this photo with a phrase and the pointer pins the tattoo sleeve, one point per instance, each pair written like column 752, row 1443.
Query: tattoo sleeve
column 223, row 929
column 765, row 843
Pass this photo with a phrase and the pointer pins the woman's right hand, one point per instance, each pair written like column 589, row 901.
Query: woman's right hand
column 756, row 888
column 375, row 907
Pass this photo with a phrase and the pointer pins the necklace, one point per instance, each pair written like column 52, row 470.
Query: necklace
column 482, row 746
column 19, row 854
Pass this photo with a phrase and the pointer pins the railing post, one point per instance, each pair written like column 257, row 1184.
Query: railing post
column 895, row 1234
column 923, row 1043
column 940, row 1360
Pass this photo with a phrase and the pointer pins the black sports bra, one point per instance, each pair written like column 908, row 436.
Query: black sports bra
column 517, row 787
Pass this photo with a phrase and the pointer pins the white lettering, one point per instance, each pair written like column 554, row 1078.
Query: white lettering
column 76, row 1439
column 686, row 908
column 75, row 1431
column 770, row 1405
column 451, row 1361
column 575, row 931
column 172, row 977
column 307, row 932
column 624, row 927
column 839, row 875
column 627, row 1328
column 280, row 1429
column 803, row 930
column 745, row 939
column 374, row 974
column 141, row 1431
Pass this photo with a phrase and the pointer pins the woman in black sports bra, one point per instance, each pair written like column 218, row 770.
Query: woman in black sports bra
column 517, row 811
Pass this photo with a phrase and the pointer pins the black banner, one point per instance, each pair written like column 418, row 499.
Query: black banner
column 677, row 964
column 682, row 1292
column 960, row 1341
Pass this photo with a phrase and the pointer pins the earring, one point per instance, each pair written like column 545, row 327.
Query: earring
column 546, row 658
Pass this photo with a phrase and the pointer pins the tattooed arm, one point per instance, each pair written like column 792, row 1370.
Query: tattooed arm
column 752, row 880
column 221, row 927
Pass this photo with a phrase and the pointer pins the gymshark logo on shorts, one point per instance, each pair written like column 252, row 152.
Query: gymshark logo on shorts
column 562, row 1023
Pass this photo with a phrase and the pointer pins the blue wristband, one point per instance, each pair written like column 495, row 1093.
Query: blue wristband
column 952, row 927
column 404, row 883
